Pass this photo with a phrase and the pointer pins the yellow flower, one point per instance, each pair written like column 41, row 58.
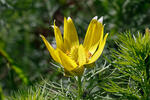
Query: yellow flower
column 74, row 56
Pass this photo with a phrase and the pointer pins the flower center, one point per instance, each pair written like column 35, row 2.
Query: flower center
column 73, row 53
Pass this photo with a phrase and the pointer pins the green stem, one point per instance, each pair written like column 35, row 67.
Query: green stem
column 1, row 94
column 79, row 88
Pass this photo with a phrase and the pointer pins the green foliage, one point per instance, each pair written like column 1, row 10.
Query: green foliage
column 33, row 93
column 132, row 61
column 44, row 91
column 64, row 89
column 122, row 15
column 20, row 54
column 14, row 67
column 1, row 94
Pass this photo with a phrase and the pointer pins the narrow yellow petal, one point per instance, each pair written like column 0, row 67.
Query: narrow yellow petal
column 81, row 55
column 66, row 42
column 99, row 51
column 66, row 61
column 70, row 34
column 74, row 53
column 97, row 37
column 58, row 37
column 93, row 36
column 88, row 33
column 51, row 50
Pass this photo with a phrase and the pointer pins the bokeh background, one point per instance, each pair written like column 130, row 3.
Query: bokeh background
column 24, row 59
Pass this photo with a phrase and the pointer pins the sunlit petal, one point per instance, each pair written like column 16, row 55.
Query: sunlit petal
column 51, row 50
column 58, row 37
column 100, row 20
column 67, row 62
column 81, row 55
column 70, row 34
column 74, row 53
column 93, row 35
column 99, row 51
column 97, row 38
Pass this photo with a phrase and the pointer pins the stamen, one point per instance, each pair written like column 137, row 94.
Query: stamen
column 67, row 52
column 89, row 55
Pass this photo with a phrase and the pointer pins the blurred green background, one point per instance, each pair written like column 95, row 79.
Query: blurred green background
column 24, row 60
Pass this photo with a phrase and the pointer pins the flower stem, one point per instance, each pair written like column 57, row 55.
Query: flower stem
column 79, row 88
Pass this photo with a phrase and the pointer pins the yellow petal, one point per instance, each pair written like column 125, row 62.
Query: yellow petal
column 51, row 50
column 81, row 55
column 99, row 51
column 93, row 35
column 58, row 37
column 97, row 37
column 66, row 61
column 74, row 53
column 88, row 33
column 70, row 34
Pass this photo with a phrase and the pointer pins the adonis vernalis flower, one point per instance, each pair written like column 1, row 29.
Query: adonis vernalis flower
column 74, row 56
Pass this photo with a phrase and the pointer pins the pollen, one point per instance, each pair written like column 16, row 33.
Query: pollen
column 89, row 55
column 74, row 53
